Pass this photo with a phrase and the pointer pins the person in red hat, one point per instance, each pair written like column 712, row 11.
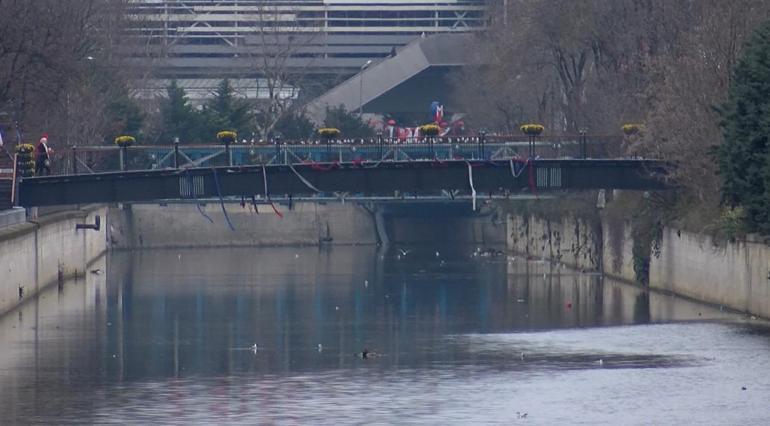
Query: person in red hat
column 43, row 157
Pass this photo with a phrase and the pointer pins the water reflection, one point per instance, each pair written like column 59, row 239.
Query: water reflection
column 166, row 335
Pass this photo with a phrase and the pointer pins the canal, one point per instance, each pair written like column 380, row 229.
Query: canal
column 460, row 336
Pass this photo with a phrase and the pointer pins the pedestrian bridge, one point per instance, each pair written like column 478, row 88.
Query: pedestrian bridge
column 371, row 178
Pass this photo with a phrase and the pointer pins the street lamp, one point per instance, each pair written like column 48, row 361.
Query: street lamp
column 361, row 89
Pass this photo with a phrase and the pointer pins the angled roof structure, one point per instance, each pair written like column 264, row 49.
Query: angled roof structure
column 405, row 82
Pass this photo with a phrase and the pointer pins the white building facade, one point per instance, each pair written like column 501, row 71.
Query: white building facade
column 215, row 38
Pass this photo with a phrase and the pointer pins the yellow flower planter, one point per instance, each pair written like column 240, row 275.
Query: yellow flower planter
column 631, row 129
column 227, row 136
column 429, row 129
column 125, row 141
column 328, row 132
column 532, row 129
column 25, row 148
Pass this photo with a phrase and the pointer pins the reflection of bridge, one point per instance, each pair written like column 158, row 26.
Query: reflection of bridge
column 356, row 177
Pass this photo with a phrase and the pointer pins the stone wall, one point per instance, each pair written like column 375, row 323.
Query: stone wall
column 573, row 241
column 183, row 225
column 735, row 275
column 42, row 252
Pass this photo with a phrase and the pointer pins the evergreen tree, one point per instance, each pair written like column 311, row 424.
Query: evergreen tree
column 349, row 124
column 228, row 112
column 744, row 156
column 295, row 126
column 178, row 117
column 124, row 116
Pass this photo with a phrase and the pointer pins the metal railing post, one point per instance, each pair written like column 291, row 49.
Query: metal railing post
column 277, row 143
column 15, row 181
column 74, row 160
column 123, row 155
column 176, row 153
column 482, row 140
column 531, row 145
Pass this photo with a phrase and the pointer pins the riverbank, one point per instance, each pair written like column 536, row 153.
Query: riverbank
column 44, row 251
column 733, row 273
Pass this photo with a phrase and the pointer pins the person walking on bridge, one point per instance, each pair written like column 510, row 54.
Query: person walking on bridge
column 43, row 157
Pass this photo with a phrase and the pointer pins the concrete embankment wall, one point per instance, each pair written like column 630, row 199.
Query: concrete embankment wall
column 732, row 274
column 41, row 252
column 184, row 225
column 336, row 223
column 570, row 240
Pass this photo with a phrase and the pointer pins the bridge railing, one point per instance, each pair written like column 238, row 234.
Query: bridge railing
column 95, row 159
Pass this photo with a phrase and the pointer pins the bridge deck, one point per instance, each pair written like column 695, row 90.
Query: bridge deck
column 382, row 178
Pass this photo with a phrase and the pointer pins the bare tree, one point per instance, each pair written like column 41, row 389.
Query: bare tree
column 666, row 64
column 688, row 85
column 281, row 60
column 50, row 53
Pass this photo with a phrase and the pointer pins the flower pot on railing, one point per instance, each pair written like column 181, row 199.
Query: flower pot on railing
column 631, row 139
column 227, row 137
column 327, row 134
column 533, row 131
column 25, row 160
column 631, row 129
column 124, row 142
column 429, row 130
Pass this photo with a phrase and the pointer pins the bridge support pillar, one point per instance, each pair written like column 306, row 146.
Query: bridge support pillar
column 379, row 223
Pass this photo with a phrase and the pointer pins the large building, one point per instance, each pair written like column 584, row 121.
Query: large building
column 246, row 38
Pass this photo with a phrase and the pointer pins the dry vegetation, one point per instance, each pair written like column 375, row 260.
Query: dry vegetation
column 60, row 67
column 597, row 64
